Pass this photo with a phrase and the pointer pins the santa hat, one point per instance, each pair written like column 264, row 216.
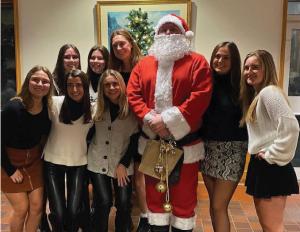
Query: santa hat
column 178, row 21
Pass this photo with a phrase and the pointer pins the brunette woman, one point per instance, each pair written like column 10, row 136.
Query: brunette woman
column 124, row 55
column 225, row 142
column 273, row 134
column 66, row 151
column 68, row 58
column 24, row 122
column 97, row 63
column 110, row 153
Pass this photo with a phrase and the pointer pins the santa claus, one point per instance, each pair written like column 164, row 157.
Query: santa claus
column 169, row 91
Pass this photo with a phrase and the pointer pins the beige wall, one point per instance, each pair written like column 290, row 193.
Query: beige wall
column 45, row 25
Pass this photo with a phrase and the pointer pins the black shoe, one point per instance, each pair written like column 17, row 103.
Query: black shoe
column 144, row 225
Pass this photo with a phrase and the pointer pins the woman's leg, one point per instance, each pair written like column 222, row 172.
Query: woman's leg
column 35, row 209
column 102, row 200
column 20, row 205
column 223, row 191
column 209, row 184
column 270, row 213
column 123, row 205
column 75, row 185
column 55, row 181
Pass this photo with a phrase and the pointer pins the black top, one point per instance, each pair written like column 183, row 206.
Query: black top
column 21, row 129
column 221, row 120
column 125, row 76
column 94, row 79
column 133, row 144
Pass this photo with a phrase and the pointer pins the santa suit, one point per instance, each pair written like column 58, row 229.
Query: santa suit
column 180, row 92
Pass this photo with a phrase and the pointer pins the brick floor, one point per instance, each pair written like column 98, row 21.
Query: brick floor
column 241, row 210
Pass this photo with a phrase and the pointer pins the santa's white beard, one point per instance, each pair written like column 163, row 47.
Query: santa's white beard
column 169, row 48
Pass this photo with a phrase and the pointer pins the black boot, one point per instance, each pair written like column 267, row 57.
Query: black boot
column 144, row 225
column 160, row 228
column 178, row 230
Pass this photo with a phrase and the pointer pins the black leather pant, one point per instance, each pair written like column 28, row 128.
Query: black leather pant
column 103, row 201
column 64, row 213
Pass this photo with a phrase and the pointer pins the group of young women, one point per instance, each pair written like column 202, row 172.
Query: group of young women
column 36, row 123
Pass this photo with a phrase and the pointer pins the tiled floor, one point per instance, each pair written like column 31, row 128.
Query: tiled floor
column 242, row 213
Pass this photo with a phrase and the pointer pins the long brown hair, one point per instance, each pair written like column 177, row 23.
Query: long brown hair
column 25, row 96
column 235, row 69
column 104, row 53
column 136, row 55
column 65, row 114
column 59, row 70
column 248, row 95
column 102, row 102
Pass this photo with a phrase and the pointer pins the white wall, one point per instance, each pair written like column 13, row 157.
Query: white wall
column 45, row 25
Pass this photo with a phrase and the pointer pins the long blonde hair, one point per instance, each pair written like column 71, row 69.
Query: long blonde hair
column 102, row 102
column 248, row 95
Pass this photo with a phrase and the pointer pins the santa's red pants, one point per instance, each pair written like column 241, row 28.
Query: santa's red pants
column 183, row 197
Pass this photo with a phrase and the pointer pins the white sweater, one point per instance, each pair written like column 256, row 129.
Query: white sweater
column 66, row 143
column 275, row 130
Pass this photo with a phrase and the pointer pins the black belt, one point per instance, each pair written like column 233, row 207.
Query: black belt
column 189, row 138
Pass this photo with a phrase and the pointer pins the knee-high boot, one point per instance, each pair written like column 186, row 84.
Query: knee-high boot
column 179, row 230
column 160, row 228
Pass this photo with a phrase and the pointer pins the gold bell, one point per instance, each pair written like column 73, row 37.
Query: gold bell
column 167, row 207
column 161, row 187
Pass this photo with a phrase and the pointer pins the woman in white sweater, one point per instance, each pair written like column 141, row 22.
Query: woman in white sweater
column 273, row 134
column 110, row 153
column 66, row 151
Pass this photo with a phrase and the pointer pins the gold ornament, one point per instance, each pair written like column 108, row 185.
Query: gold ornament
column 167, row 207
column 161, row 187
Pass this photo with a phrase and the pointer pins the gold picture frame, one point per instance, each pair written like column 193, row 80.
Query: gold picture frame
column 110, row 13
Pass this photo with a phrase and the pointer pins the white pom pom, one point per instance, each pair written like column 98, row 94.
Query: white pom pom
column 189, row 34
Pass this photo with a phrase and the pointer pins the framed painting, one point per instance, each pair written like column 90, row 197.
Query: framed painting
column 111, row 15
column 290, row 55
column 10, row 55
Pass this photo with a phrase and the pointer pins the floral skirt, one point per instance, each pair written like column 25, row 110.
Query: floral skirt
column 224, row 160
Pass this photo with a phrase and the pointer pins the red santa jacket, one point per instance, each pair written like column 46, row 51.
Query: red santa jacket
column 191, row 85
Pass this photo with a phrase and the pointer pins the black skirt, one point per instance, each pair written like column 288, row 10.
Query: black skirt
column 266, row 180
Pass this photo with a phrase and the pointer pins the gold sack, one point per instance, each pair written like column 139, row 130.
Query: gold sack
column 150, row 158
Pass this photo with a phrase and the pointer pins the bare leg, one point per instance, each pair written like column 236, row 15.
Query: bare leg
column 35, row 209
column 223, row 191
column 270, row 213
column 20, row 205
column 209, row 184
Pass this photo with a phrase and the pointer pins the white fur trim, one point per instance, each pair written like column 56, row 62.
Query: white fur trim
column 148, row 117
column 169, row 19
column 183, row 223
column 189, row 34
column 159, row 219
column 142, row 145
column 163, row 87
column 193, row 153
column 175, row 122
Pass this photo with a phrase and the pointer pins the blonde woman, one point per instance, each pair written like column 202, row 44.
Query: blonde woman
column 110, row 152
column 124, row 55
column 273, row 134
column 24, row 123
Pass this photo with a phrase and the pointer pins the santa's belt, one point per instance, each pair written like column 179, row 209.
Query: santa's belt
column 189, row 138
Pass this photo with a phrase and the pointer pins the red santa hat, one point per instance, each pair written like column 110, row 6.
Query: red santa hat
column 178, row 21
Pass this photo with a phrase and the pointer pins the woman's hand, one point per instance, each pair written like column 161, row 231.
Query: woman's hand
column 260, row 155
column 121, row 175
column 17, row 177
